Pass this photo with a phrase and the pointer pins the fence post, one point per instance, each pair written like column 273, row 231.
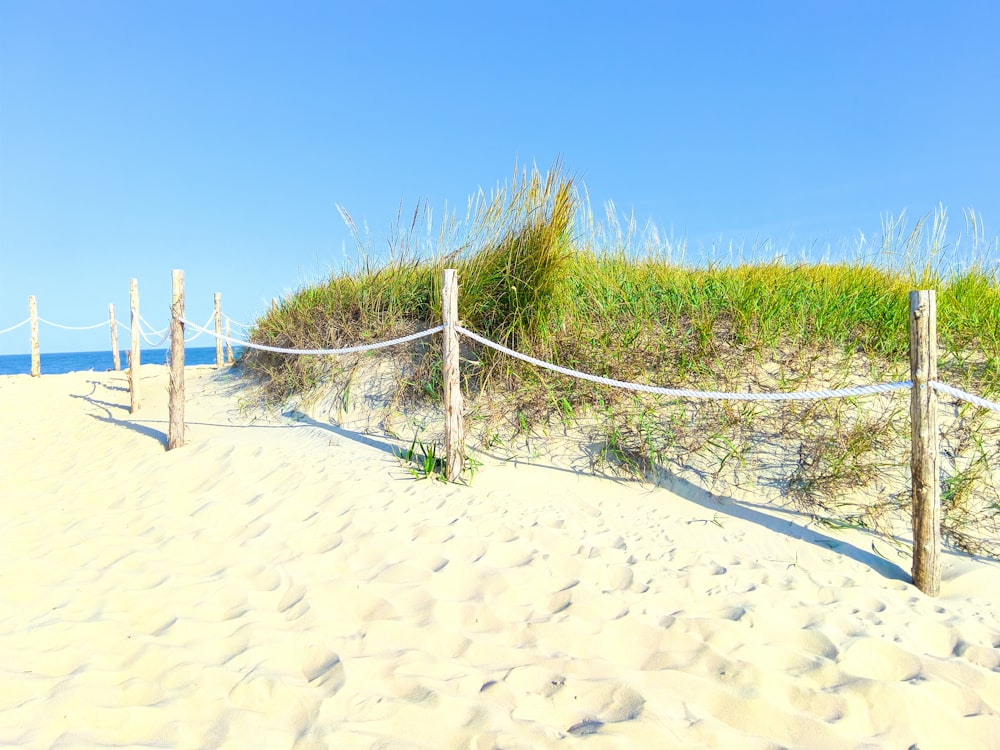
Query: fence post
column 454, row 433
column 114, row 338
column 229, row 346
column 218, row 329
column 133, row 357
column 36, row 360
column 175, row 434
column 924, row 446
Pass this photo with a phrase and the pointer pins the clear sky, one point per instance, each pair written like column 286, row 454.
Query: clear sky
column 219, row 137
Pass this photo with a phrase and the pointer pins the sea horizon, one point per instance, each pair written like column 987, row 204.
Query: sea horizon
column 60, row 363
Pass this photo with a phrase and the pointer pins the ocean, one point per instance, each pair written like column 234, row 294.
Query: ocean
column 57, row 363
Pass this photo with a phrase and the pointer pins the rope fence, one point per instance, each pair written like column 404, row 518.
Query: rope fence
column 74, row 328
column 963, row 396
column 165, row 333
column 863, row 390
column 683, row 393
column 139, row 329
column 923, row 386
column 236, row 323
column 330, row 352
column 16, row 326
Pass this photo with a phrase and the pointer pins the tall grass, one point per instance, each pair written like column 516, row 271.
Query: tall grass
column 535, row 275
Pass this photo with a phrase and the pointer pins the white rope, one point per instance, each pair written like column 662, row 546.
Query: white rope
column 73, row 328
column 235, row 322
column 165, row 333
column 964, row 396
column 154, row 344
column 15, row 327
column 345, row 350
column 126, row 329
column 150, row 328
column 685, row 393
column 202, row 330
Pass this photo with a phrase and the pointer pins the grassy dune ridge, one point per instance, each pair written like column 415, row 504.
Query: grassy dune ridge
column 537, row 274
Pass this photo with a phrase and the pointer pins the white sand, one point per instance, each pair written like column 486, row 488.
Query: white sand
column 280, row 585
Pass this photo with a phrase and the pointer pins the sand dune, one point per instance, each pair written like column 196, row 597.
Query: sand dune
column 283, row 584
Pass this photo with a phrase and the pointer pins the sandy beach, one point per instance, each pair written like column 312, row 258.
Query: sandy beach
column 283, row 583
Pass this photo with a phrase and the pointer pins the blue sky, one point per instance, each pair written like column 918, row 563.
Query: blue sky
column 219, row 137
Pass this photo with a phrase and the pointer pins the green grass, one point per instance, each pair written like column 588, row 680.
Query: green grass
column 537, row 274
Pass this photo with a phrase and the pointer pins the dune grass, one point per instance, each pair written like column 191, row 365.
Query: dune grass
column 536, row 275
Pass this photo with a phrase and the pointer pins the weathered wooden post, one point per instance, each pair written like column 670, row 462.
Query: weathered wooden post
column 229, row 346
column 36, row 360
column 924, row 447
column 133, row 357
column 175, row 433
column 114, row 338
column 218, row 330
column 454, row 433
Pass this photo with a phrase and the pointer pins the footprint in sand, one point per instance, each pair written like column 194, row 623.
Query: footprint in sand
column 876, row 659
column 156, row 624
column 535, row 680
column 271, row 695
column 465, row 549
column 251, row 531
column 367, row 605
column 625, row 705
column 292, row 596
column 616, row 578
column 497, row 530
column 323, row 668
column 987, row 658
column 366, row 562
column 468, row 617
column 596, row 705
column 934, row 638
column 293, row 604
column 221, row 605
column 678, row 650
column 260, row 577
column 403, row 573
column 511, row 554
column 592, row 604
column 456, row 583
column 585, row 727
column 433, row 534
column 322, row 543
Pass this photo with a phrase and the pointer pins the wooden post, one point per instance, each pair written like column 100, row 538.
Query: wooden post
column 36, row 359
column 454, row 431
column 114, row 338
column 218, row 330
column 924, row 446
column 133, row 357
column 229, row 346
column 175, row 434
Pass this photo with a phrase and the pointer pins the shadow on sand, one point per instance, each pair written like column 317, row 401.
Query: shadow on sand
column 794, row 525
column 790, row 523
column 109, row 408
column 357, row 437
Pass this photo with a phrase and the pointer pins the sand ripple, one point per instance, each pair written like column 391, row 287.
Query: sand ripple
column 289, row 587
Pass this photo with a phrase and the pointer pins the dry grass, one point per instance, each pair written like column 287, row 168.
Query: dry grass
column 534, row 276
